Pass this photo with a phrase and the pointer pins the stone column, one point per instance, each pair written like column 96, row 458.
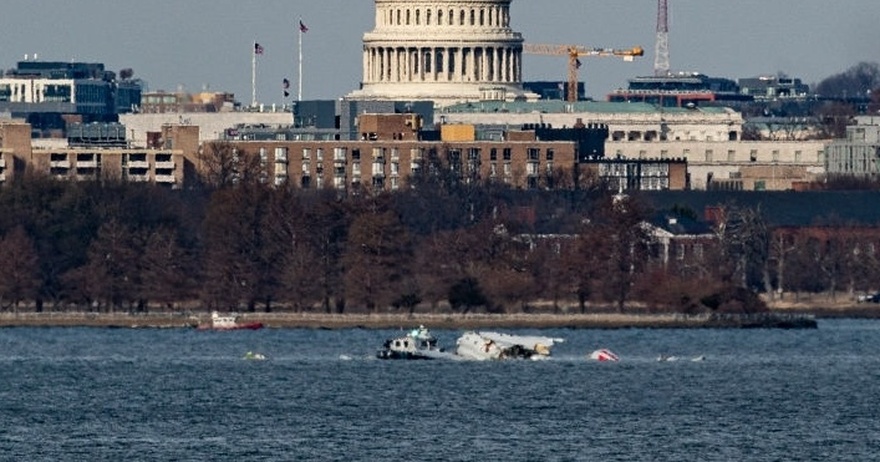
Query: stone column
column 407, row 65
column 366, row 64
column 487, row 75
column 395, row 65
column 446, row 57
column 472, row 68
column 386, row 64
column 459, row 65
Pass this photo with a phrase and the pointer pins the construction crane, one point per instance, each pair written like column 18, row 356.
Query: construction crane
column 574, row 53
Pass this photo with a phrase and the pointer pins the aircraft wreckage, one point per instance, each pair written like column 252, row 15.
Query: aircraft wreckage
column 421, row 344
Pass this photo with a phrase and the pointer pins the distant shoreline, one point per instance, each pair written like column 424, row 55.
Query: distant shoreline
column 775, row 319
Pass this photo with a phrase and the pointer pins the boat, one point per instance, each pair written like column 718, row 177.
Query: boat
column 604, row 355
column 250, row 355
column 416, row 344
column 228, row 322
column 493, row 345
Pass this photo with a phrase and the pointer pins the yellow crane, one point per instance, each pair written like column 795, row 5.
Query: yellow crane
column 574, row 53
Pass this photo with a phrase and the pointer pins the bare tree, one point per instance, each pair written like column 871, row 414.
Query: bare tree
column 377, row 258
column 225, row 165
column 167, row 270
column 619, row 244
column 20, row 269
column 110, row 277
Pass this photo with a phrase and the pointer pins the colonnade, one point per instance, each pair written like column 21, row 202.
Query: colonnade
column 500, row 64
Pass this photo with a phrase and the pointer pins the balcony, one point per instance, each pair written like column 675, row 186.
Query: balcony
column 87, row 164
column 59, row 164
column 138, row 178
column 165, row 164
column 166, row 179
column 138, row 164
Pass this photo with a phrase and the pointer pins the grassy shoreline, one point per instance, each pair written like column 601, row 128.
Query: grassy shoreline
column 404, row 321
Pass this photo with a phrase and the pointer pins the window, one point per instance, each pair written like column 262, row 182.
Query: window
column 493, row 154
column 307, row 153
column 534, row 154
column 753, row 155
column 797, row 156
column 731, row 155
column 708, row 155
column 775, row 155
column 550, row 154
column 506, row 154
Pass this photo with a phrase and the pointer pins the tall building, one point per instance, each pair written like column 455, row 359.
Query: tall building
column 51, row 94
column 446, row 51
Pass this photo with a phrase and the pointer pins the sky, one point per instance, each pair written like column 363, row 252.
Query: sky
column 196, row 45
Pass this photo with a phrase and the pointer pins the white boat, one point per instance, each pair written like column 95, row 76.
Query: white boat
column 228, row 322
column 416, row 344
column 493, row 345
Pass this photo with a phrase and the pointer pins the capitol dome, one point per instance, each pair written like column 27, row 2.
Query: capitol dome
column 447, row 51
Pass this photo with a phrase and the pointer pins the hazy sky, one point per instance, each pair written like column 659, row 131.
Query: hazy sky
column 196, row 44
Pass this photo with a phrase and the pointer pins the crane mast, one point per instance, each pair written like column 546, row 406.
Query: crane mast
column 574, row 53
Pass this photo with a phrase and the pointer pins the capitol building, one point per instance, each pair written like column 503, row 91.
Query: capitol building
column 446, row 51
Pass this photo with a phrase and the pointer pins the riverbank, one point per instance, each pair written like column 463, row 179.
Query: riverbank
column 398, row 321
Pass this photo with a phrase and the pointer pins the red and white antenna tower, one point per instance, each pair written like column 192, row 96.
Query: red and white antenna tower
column 661, row 48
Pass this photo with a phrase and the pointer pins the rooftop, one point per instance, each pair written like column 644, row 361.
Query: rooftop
column 560, row 107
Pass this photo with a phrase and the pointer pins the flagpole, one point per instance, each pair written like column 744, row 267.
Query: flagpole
column 299, row 93
column 254, row 75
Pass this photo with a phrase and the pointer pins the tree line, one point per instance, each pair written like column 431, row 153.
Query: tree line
column 441, row 245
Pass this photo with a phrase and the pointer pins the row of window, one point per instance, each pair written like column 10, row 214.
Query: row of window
column 341, row 154
column 498, row 17
column 654, row 135
column 709, row 155
column 96, row 157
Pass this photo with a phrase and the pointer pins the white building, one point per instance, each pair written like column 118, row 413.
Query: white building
column 447, row 51
column 212, row 125
column 859, row 153
column 708, row 138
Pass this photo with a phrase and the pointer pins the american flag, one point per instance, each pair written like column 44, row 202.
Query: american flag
column 258, row 49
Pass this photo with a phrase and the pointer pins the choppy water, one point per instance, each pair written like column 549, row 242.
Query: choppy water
column 760, row 395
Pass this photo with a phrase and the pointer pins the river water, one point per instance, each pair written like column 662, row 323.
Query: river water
column 76, row 394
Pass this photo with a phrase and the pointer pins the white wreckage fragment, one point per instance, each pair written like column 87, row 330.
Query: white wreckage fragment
column 494, row 345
